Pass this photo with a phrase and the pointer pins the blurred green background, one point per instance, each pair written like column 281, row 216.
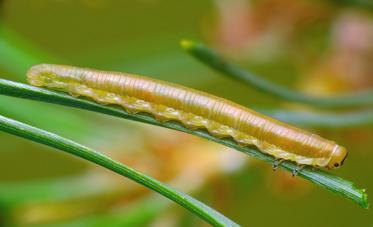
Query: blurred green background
column 318, row 47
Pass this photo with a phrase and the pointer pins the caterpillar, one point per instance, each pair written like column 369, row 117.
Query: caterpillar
column 194, row 109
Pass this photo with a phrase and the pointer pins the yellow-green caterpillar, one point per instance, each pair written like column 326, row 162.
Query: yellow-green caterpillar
column 194, row 109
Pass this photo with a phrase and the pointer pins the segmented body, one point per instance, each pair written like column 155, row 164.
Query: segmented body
column 194, row 109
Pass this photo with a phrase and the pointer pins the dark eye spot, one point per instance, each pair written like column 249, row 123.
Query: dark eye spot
column 336, row 164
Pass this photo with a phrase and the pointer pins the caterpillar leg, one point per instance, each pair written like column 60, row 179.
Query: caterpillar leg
column 276, row 163
column 131, row 111
column 73, row 93
column 160, row 118
column 190, row 126
column 241, row 144
column 297, row 170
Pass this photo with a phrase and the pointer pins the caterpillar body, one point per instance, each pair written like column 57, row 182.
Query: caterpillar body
column 194, row 109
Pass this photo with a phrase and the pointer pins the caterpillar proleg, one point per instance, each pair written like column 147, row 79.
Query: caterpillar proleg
column 194, row 109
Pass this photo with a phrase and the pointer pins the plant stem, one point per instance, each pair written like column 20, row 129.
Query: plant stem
column 213, row 60
column 357, row 118
column 53, row 140
column 326, row 180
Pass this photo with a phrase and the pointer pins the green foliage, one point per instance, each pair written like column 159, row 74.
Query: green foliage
column 212, row 59
column 323, row 120
column 53, row 140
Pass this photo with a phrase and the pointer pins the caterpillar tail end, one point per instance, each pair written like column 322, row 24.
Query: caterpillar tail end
column 36, row 75
column 33, row 76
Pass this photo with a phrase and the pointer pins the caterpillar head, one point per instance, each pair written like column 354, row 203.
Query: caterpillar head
column 339, row 155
